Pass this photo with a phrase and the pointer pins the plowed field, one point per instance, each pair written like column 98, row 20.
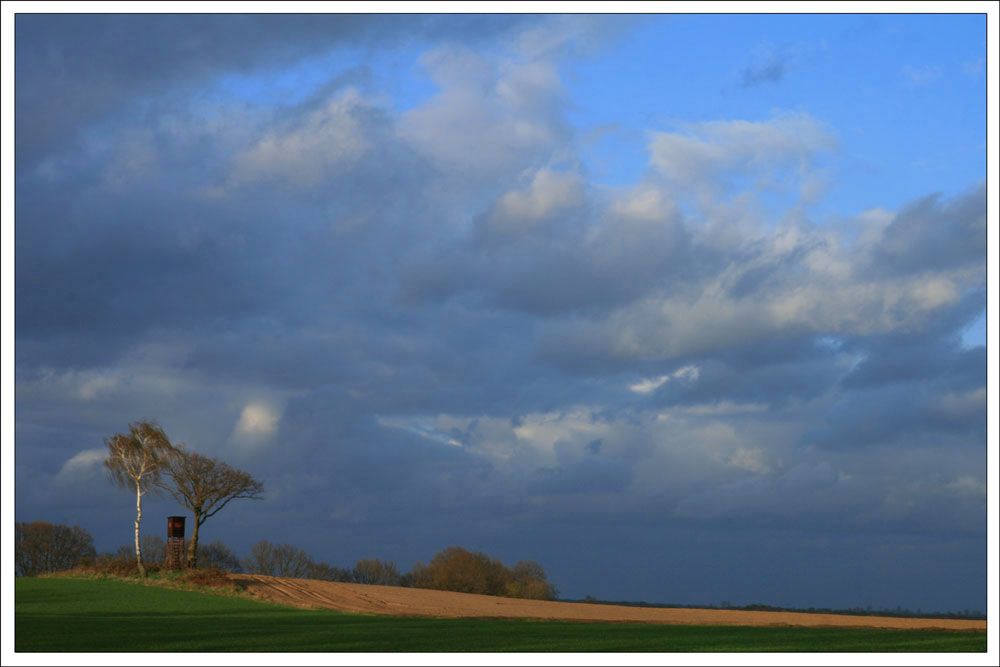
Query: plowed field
column 397, row 601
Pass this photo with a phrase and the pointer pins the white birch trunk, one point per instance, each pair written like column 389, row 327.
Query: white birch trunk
column 138, row 519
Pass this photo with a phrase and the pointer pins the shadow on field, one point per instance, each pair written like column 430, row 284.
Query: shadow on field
column 60, row 615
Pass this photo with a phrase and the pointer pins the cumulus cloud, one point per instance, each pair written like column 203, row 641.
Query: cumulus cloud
column 105, row 63
column 800, row 281
column 258, row 421
column 648, row 385
column 325, row 142
column 487, row 120
column 704, row 154
column 932, row 234
column 83, row 467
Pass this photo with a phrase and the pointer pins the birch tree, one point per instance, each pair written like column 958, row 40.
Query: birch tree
column 205, row 485
column 136, row 460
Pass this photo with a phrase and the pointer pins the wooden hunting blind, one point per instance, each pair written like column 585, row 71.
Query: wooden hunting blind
column 175, row 542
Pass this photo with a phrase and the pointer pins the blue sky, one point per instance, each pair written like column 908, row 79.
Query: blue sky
column 687, row 308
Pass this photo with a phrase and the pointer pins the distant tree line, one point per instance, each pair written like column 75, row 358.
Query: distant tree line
column 43, row 547
column 453, row 569
column 896, row 612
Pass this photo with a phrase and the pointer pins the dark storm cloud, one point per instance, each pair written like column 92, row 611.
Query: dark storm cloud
column 772, row 64
column 771, row 69
column 891, row 362
column 587, row 476
column 904, row 416
column 96, row 258
column 929, row 234
column 75, row 69
column 907, row 392
column 775, row 383
column 562, row 255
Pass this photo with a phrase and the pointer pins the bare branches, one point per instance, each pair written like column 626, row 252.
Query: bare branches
column 205, row 485
column 136, row 460
column 41, row 547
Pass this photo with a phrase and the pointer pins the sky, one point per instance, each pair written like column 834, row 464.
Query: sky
column 687, row 308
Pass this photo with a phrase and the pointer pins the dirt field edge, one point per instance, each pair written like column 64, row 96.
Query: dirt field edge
column 417, row 602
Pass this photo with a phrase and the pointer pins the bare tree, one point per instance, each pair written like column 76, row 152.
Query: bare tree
column 278, row 560
column 136, row 459
column 217, row 554
column 41, row 547
column 326, row 572
column 376, row 572
column 154, row 550
column 205, row 485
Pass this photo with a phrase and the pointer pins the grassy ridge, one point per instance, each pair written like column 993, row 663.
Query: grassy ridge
column 93, row 615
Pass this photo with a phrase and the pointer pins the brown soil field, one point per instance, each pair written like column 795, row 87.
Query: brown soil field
column 398, row 601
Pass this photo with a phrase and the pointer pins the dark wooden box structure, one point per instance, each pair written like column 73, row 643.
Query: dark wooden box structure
column 175, row 542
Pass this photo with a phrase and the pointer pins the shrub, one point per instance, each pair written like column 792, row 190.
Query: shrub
column 212, row 577
column 463, row 571
column 456, row 569
column 117, row 564
column 528, row 581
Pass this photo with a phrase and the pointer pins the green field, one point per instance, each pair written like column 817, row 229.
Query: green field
column 103, row 615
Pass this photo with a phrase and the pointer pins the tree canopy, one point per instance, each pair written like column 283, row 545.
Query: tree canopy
column 136, row 460
column 205, row 485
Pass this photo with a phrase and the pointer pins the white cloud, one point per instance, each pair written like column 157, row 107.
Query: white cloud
column 258, row 421
column 827, row 281
column 689, row 373
column 644, row 202
column 648, row 385
column 557, row 33
column 488, row 120
column 752, row 459
column 723, row 408
column 422, row 426
column 328, row 140
column 549, row 192
column 968, row 485
column 82, row 466
column 708, row 150
column 75, row 385
column 97, row 384
column 963, row 405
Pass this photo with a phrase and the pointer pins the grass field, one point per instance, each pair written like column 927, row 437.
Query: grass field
column 103, row 615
